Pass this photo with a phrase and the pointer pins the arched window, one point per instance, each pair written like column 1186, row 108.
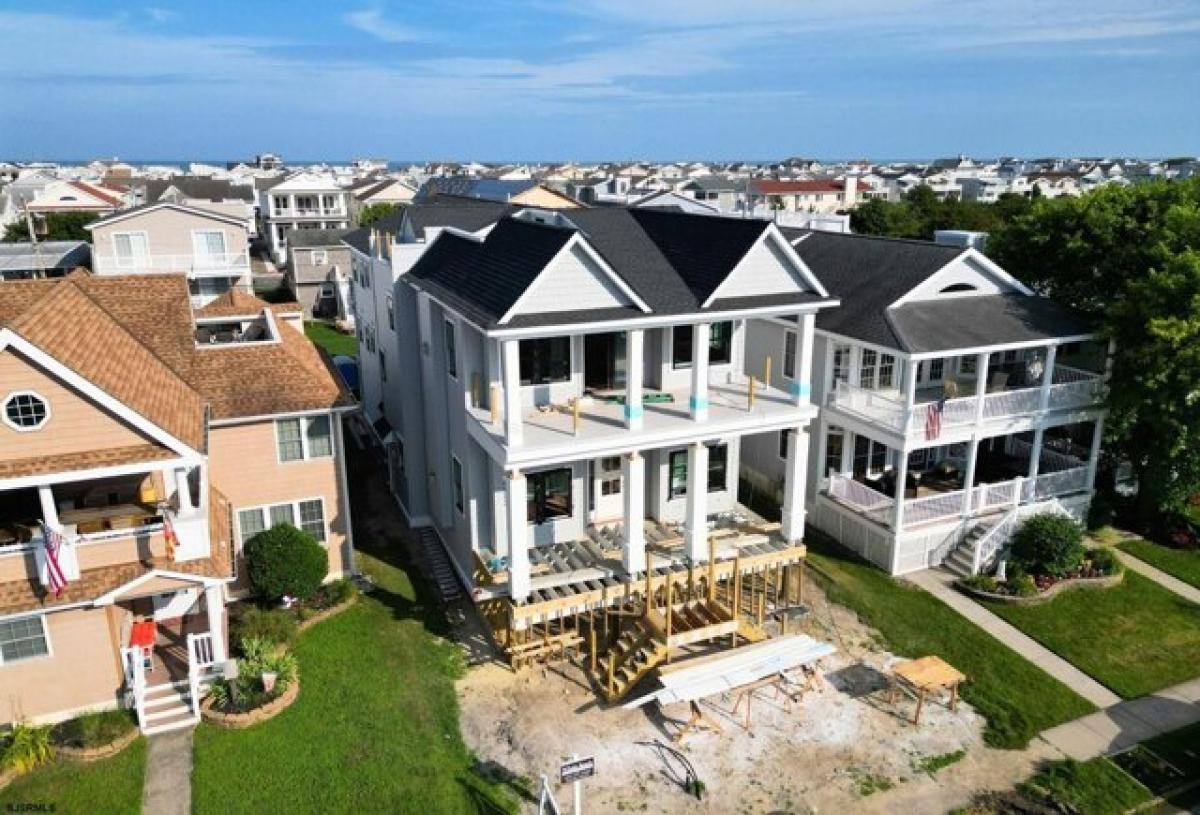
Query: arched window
column 958, row 287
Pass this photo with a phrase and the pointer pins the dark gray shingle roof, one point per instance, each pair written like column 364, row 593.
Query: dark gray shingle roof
column 972, row 322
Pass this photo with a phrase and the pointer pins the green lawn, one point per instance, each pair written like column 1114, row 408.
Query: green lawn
column 375, row 728
column 1181, row 563
column 1096, row 787
column 1100, row 787
column 112, row 785
column 333, row 341
column 1018, row 699
column 1135, row 638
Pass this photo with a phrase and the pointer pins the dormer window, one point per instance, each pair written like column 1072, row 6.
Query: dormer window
column 25, row 411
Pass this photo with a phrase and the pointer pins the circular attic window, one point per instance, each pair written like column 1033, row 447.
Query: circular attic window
column 25, row 410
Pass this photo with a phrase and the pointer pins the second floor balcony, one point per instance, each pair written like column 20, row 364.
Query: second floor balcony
column 195, row 265
column 967, row 404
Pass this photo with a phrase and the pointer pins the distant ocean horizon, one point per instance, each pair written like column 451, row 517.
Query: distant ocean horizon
column 398, row 165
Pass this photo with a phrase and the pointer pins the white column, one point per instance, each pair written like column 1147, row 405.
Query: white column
column 847, row 462
column 1094, row 455
column 633, row 378
column 49, row 508
column 699, row 400
column 1047, row 379
column 633, row 474
column 901, row 478
column 183, row 490
column 802, row 385
column 495, row 378
column 910, row 394
column 1035, row 453
column 518, row 537
column 795, row 470
column 969, row 477
column 981, row 378
column 215, row 606
column 511, row 353
column 697, row 502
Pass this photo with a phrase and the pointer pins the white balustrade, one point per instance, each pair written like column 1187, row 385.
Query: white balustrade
column 872, row 502
column 1061, row 483
column 873, row 405
column 216, row 264
column 933, row 508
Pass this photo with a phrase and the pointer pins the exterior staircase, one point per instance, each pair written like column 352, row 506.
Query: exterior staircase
column 961, row 561
column 437, row 565
column 168, row 707
column 636, row 652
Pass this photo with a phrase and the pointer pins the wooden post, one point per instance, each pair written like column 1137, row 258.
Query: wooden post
column 712, row 570
column 575, row 414
column 612, row 669
column 691, row 588
column 736, row 580
column 762, row 599
column 668, row 599
column 592, row 643
column 750, row 395
column 604, row 611
column 767, row 374
column 800, row 588
column 649, row 585
column 494, row 404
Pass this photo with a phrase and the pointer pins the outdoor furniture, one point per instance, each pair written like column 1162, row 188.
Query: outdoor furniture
column 998, row 381
column 950, row 389
column 142, row 636
column 925, row 675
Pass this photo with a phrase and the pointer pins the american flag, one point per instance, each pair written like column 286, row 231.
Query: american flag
column 169, row 535
column 933, row 419
column 54, row 543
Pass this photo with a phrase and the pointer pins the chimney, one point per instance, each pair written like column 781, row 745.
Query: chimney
column 850, row 190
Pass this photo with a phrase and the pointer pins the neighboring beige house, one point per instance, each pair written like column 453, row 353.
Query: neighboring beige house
column 379, row 191
column 210, row 248
column 121, row 410
column 214, row 194
column 318, row 272
column 76, row 196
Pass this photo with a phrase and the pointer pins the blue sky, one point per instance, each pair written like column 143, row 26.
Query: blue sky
column 598, row 79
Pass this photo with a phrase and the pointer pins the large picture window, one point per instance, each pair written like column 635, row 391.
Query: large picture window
column 545, row 360
column 307, row 515
column 718, row 467
column 720, row 344
column 548, row 495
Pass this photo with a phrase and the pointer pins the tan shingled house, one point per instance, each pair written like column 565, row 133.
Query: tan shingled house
column 121, row 408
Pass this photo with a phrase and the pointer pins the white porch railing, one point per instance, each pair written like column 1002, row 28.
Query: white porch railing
column 135, row 678
column 1062, row 482
column 201, row 659
column 226, row 264
column 933, row 508
column 871, row 502
column 1072, row 388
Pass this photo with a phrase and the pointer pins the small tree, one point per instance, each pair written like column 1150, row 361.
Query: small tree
column 1048, row 544
column 376, row 212
column 283, row 560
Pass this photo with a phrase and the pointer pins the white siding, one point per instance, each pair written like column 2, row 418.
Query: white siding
column 573, row 281
column 960, row 272
column 765, row 270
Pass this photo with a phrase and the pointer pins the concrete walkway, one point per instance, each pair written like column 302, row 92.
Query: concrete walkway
column 168, row 785
column 1128, row 723
column 1168, row 582
column 939, row 583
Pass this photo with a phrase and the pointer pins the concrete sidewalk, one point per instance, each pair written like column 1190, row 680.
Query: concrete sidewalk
column 1172, row 584
column 939, row 583
column 168, row 785
column 1128, row 723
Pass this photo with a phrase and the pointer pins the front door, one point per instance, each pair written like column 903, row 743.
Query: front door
column 604, row 361
column 607, row 503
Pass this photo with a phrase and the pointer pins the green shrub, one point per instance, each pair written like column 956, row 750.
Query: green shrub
column 261, row 657
column 1048, row 544
column 26, row 748
column 1105, row 561
column 981, row 582
column 274, row 625
column 283, row 560
column 1023, row 585
column 339, row 591
column 94, row 729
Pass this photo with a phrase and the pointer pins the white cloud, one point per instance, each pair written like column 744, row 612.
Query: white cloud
column 159, row 15
column 372, row 21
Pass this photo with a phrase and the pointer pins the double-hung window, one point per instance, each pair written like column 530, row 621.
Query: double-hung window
column 677, row 466
column 718, row 467
column 789, row 354
column 451, row 350
column 307, row 515
column 841, row 363
column 303, row 438
column 866, row 369
column 718, row 470
column 23, row 638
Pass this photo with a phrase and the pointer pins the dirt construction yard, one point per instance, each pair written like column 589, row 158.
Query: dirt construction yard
column 842, row 747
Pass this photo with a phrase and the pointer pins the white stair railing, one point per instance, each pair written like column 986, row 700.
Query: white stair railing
column 200, row 660
column 994, row 540
column 135, row 677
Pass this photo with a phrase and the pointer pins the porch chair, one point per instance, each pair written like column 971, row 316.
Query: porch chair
column 998, row 381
